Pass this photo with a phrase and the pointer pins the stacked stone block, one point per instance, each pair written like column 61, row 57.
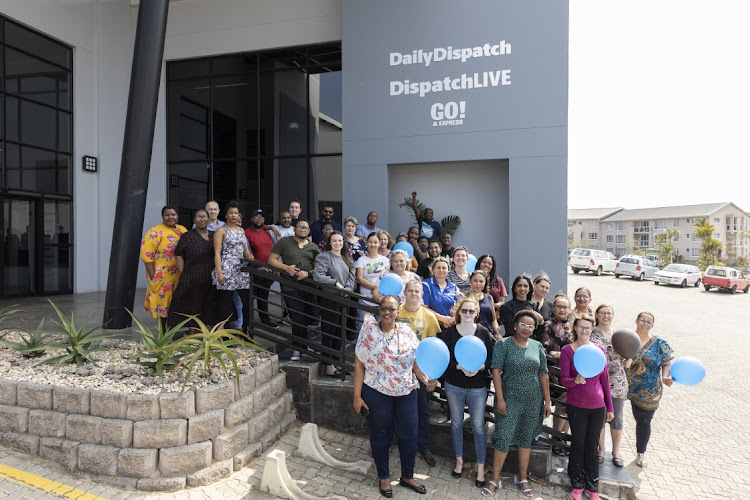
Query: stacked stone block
column 161, row 442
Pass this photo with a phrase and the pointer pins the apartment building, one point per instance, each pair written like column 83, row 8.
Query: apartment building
column 625, row 231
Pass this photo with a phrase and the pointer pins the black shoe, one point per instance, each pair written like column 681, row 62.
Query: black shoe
column 270, row 324
column 456, row 475
column 479, row 484
column 428, row 457
column 418, row 488
column 386, row 493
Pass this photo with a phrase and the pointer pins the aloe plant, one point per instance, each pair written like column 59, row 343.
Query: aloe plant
column 211, row 344
column 156, row 357
column 79, row 344
column 31, row 346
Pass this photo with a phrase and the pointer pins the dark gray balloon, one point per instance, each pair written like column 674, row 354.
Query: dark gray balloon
column 626, row 343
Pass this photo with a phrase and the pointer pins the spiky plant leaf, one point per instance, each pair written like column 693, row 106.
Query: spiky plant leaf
column 451, row 224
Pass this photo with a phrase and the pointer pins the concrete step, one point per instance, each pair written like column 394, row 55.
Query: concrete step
column 614, row 482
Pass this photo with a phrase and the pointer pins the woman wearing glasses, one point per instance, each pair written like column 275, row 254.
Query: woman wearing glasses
column 650, row 371
column 589, row 405
column 465, row 388
column 618, row 381
column 583, row 299
column 521, row 379
column 385, row 383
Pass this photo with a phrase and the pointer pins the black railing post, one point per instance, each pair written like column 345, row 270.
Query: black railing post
column 248, row 309
column 342, row 335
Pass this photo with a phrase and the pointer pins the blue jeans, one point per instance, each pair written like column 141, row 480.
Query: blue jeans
column 238, row 307
column 423, row 406
column 476, row 400
column 389, row 413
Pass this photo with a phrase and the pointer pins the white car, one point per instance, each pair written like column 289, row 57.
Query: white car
column 595, row 261
column 635, row 266
column 679, row 274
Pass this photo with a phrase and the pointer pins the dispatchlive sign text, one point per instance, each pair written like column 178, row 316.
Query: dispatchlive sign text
column 450, row 113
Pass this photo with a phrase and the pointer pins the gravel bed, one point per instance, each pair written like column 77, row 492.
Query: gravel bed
column 115, row 372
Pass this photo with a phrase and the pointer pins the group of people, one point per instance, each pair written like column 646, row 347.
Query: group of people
column 198, row 272
column 392, row 391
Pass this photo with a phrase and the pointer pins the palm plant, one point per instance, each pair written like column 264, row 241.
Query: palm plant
column 79, row 344
column 211, row 345
column 450, row 223
column 31, row 346
column 156, row 357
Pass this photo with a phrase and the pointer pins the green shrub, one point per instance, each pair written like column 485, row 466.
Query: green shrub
column 31, row 346
column 211, row 344
column 157, row 355
column 79, row 344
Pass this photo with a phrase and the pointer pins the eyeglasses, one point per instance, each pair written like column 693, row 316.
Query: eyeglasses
column 645, row 321
column 606, row 313
column 201, row 217
column 584, row 328
column 558, row 306
column 302, row 228
column 526, row 326
column 388, row 309
column 468, row 311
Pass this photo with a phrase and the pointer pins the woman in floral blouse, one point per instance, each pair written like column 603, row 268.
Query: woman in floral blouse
column 618, row 381
column 650, row 372
column 157, row 253
column 385, row 383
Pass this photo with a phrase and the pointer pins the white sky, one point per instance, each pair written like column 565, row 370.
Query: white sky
column 659, row 108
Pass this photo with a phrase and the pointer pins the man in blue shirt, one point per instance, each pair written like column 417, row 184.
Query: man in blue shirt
column 326, row 215
column 364, row 230
column 428, row 227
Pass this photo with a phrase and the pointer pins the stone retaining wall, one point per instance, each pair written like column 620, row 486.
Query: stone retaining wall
column 150, row 442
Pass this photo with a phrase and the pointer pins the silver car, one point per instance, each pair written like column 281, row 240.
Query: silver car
column 635, row 266
column 679, row 274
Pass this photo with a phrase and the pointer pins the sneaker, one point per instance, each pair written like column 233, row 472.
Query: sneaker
column 428, row 457
column 593, row 495
column 295, row 357
column 576, row 494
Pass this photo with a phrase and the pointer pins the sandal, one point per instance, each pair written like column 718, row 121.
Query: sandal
column 528, row 491
column 560, row 452
column 486, row 492
column 640, row 460
column 618, row 462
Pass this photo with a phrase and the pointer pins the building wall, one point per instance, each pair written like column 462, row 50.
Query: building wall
column 524, row 123
column 102, row 33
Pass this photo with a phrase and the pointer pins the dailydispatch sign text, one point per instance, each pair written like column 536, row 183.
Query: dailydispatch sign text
column 450, row 113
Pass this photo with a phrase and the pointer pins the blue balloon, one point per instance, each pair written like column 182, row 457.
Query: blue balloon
column 406, row 247
column 471, row 264
column 433, row 357
column 391, row 284
column 688, row 370
column 471, row 353
column 589, row 360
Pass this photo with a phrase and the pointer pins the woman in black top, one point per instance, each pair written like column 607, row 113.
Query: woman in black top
column 522, row 291
column 538, row 299
column 463, row 388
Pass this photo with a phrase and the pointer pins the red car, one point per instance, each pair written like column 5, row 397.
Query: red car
column 727, row 278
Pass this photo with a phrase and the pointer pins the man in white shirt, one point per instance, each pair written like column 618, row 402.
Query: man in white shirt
column 284, row 228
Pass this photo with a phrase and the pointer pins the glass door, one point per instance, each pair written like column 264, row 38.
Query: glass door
column 19, row 252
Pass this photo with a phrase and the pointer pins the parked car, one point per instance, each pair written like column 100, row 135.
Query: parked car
column 727, row 278
column 679, row 274
column 635, row 266
column 595, row 261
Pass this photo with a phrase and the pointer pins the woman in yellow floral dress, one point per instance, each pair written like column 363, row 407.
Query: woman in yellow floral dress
column 157, row 253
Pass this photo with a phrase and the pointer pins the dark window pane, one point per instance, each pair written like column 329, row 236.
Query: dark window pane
column 18, row 247
column 283, row 114
column 293, row 184
column 31, row 169
column 235, row 116
column 325, row 122
column 38, row 45
column 187, row 120
column 63, row 174
column 31, row 123
column 325, row 58
column 64, row 138
column 289, row 58
column 191, row 68
column 36, row 79
column 235, row 64
column 58, row 269
column 57, row 222
column 188, row 189
column 326, row 177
